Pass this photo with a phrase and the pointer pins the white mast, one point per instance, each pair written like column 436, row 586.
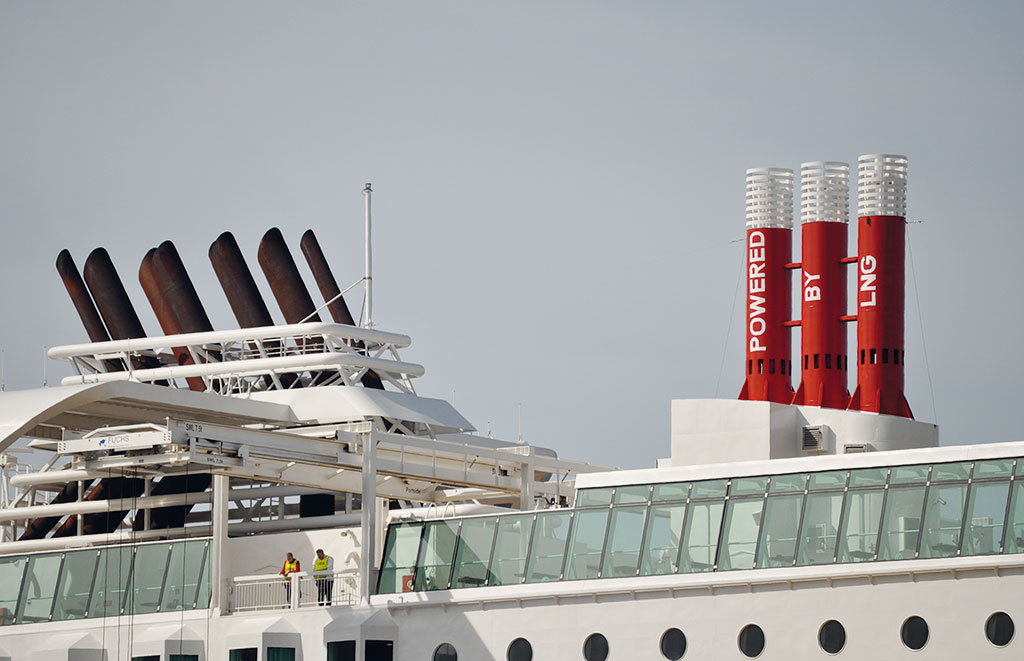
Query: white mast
column 368, row 277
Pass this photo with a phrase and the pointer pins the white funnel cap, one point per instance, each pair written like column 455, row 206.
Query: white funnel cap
column 824, row 192
column 769, row 198
column 882, row 185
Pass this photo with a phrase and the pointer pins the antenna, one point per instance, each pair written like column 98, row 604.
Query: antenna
column 368, row 277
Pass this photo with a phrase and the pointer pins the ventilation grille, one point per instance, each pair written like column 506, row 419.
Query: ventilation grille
column 811, row 439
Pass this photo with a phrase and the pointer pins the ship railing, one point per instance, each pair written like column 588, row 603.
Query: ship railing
column 247, row 359
column 298, row 590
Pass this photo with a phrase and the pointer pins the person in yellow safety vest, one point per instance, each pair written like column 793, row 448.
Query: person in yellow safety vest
column 323, row 572
column 291, row 566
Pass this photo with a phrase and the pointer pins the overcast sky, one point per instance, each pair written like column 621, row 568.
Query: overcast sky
column 559, row 186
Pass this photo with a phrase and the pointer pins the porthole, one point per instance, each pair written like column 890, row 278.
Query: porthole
column 446, row 652
column 520, row 650
column 832, row 637
column 595, row 648
column 751, row 641
column 673, row 644
column 999, row 629
column 914, row 632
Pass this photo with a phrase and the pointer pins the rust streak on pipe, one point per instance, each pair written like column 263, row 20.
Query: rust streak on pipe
column 84, row 305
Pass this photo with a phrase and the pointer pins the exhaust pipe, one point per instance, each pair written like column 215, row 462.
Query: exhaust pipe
column 82, row 301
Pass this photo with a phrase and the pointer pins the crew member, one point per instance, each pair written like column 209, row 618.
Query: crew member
column 291, row 566
column 323, row 572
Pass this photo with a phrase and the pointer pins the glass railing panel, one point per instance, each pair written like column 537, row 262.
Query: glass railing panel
column 748, row 486
column 788, row 483
column 709, row 489
column 475, row 542
column 661, row 542
column 700, row 541
column 203, row 593
column 739, row 536
column 585, row 542
column 828, row 480
column 40, row 585
column 869, row 477
column 820, row 528
column 434, row 566
column 993, row 468
column 671, row 492
column 183, row 573
column 75, row 585
column 957, row 471
column 625, row 533
column 909, row 474
column 779, row 534
column 547, row 551
column 943, row 519
column 508, row 565
column 858, row 541
column 112, row 574
column 632, row 494
column 12, row 570
column 1015, row 522
column 901, row 527
column 398, row 568
column 594, row 497
column 983, row 533
column 147, row 578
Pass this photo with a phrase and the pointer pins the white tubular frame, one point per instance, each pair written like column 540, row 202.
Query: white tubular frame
column 824, row 192
column 236, row 361
column 769, row 198
column 882, row 185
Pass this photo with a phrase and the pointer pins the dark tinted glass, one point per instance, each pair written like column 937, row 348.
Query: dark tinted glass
column 751, row 640
column 379, row 650
column 673, row 644
column 914, row 633
column 595, row 648
column 999, row 629
column 445, row 652
column 832, row 637
column 342, row 650
column 520, row 650
column 246, row 654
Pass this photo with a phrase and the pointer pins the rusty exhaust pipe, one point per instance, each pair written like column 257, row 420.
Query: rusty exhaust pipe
column 329, row 289
column 86, row 309
column 110, row 488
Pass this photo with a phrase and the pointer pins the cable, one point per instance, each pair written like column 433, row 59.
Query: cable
column 732, row 315
column 920, row 323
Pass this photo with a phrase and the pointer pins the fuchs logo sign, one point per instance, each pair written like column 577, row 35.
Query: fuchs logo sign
column 756, row 324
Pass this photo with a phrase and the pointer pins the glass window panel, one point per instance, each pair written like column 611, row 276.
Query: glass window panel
column 943, row 517
column 594, row 497
column 829, row 480
column 112, row 575
column 625, row 533
column 11, row 572
column 958, row 471
column 700, row 541
column 661, row 546
column 280, row 654
column 778, row 541
column 203, row 594
column 909, row 475
column 674, row 491
column 787, row 483
column 181, row 657
column 820, row 528
column 400, row 550
column 475, row 541
column 901, row 524
column 183, row 576
column 859, row 536
column 510, row 548
column 40, row 585
column 75, row 585
column 434, row 567
column 709, row 489
column 739, row 538
column 586, row 540
column 244, row 654
column 868, row 477
column 342, row 650
column 984, row 531
column 1015, row 535
column 633, row 494
column 748, row 486
column 1020, row 466
column 993, row 468
column 147, row 578
column 548, row 550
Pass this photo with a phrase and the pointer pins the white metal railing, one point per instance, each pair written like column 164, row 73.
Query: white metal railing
column 298, row 590
column 249, row 359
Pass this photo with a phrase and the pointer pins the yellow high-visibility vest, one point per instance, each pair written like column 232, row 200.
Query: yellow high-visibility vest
column 290, row 567
column 321, row 564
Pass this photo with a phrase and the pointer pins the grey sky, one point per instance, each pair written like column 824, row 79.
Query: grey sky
column 557, row 184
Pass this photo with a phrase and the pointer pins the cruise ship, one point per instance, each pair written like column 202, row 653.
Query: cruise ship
column 282, row 493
